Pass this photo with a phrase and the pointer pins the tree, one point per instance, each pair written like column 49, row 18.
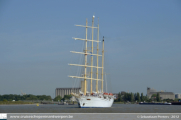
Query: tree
column 31, row 97
column 158, row 97
column 135, row 96
column 131, row 99
column 145, row 98
column 58, row 98
column 67, row 97
column 154, row 96
column 119, row 97
column 142, row 99
column 125, row 97
column 138, row 97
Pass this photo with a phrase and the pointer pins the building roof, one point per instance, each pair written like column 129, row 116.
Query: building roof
column 68, row 88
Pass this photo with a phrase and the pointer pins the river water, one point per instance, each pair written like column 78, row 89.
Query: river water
column 116, row 108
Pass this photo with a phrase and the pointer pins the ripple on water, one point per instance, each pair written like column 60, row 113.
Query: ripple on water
column 116, row 108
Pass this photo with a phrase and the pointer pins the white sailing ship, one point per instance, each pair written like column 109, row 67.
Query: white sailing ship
column 85, row 98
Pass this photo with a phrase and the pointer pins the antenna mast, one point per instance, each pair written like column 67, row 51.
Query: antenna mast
column 92, row 50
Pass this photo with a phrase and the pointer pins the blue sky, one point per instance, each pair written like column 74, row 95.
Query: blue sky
column 142, row 43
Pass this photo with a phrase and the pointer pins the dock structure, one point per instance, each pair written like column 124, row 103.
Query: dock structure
column 66, row 91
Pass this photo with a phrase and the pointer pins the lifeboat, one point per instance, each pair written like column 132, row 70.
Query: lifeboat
column 106, row 94
column 110, row 94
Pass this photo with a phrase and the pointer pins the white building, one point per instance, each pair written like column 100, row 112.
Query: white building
column 178, row 96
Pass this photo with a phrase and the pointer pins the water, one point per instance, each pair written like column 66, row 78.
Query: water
column 116, row 108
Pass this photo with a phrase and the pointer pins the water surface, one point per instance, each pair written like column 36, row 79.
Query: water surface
column 116, row 108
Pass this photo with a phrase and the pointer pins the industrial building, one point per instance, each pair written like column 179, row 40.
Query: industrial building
column 66, row 91
column 163, row 95
column 178, row 96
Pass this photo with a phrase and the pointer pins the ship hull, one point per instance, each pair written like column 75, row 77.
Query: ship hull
column 94, row 102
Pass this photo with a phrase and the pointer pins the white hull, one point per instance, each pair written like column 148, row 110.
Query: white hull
column 94, row 101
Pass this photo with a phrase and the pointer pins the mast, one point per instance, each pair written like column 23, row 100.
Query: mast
column 92, row 51
column 102, row 62
column 85, row 52
column 97, row 73
column 85, row 75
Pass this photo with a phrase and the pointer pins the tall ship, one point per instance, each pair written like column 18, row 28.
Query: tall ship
column 92, row 93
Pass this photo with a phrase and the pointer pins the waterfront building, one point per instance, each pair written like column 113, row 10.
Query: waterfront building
column 163, row 95
column 66, row 91
column 178, row 96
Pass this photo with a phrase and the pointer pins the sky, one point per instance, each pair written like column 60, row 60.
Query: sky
column 142, row 43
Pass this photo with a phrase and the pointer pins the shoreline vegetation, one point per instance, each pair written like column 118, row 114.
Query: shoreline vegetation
column 39, row 103
column 122, row 98
column 35, row 103
column 15, row 103
column 50, row 102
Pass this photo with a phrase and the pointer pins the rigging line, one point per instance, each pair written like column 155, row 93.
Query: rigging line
column 79, row 69
column 80, row 61
column 71, row 62
column 74, row 85
column 70, row 71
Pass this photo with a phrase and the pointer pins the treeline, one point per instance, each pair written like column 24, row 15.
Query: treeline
column 11, row 97
column 131, row 97
column 136, row 97
column 59, row 98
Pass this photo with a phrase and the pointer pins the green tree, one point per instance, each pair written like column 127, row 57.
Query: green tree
column 119, row 97
column 135, row 96
column 131, row 99
column 142, row 99
column 138, row 97
column 67, row 97
column 31, row 97
column 145, row 98
column 158, row 97
column 154, row 95
column 125, row 97
column 58, row 98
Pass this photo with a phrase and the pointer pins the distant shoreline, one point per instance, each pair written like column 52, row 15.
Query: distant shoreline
column 16, row 104
column 12, row 103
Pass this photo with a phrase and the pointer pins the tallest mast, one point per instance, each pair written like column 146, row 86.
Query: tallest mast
column 97, row 73
column 92, row 51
